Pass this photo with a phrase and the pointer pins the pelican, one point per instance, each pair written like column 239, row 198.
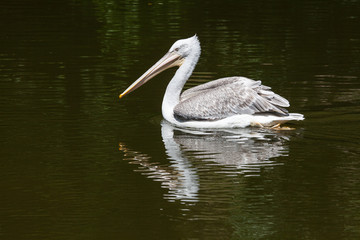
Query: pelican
column 232, row 102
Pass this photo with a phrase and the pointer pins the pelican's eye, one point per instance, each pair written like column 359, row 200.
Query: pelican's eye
column 176, row 49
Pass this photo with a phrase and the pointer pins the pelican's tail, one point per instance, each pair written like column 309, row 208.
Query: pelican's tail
column 290, row 117
column 296, row 116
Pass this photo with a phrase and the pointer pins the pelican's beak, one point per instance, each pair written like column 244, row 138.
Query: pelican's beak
column 171, row 59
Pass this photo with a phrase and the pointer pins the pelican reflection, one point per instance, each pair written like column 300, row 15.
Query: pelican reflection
column 196, row 153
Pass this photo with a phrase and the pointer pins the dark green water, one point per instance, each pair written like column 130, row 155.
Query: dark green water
column 78, row 163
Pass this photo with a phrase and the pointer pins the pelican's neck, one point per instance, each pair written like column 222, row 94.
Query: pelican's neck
column 173, row 90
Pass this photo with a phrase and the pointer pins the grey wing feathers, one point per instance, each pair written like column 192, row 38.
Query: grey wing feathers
column 226, row 97
column 207, row 86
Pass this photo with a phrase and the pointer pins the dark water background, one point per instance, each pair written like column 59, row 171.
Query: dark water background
column 77, row 163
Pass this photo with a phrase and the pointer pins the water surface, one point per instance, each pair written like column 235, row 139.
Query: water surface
column 77, row 163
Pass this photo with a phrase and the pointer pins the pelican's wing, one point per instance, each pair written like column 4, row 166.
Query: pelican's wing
column 226, row 97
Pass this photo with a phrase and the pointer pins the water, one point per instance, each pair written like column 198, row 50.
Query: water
column 77, row 163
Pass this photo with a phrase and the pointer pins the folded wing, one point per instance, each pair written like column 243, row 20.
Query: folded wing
column 226, row 97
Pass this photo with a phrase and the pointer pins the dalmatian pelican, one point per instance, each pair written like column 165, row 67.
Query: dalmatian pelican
column 232, row 102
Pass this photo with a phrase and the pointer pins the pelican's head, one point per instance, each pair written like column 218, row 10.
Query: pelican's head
column 178, row 52
column 185, row 47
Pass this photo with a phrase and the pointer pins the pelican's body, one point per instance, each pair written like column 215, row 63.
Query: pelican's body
column 224, row 103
